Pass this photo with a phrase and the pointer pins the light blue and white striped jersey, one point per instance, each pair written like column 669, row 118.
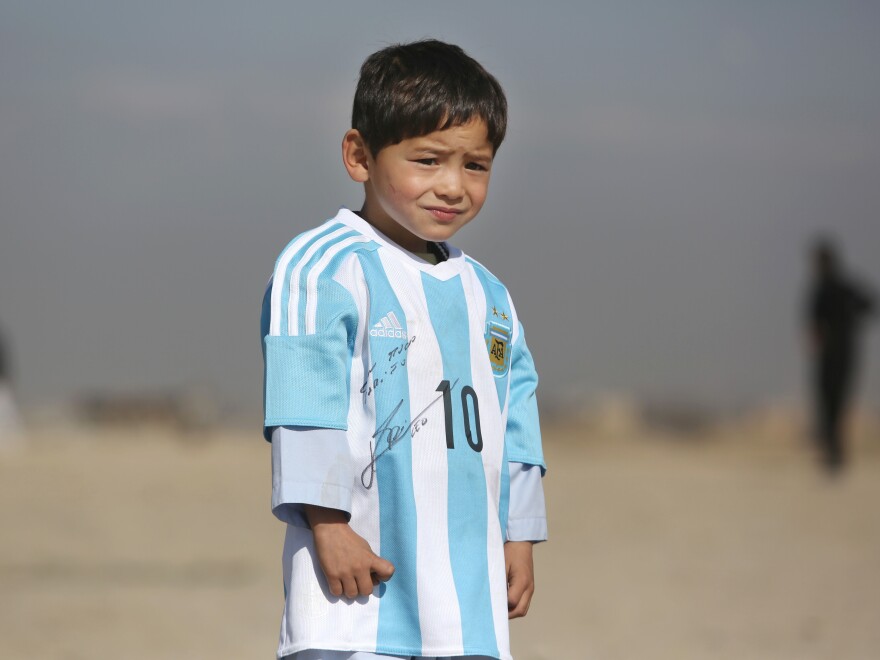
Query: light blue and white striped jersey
column 426, row 371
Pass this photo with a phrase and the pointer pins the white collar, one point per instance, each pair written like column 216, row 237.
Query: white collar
column 442, row 271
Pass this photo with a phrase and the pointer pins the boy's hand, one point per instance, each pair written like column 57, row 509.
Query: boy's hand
column 520, row 577
column 348, row 562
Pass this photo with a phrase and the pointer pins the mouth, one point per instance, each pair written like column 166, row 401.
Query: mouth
column 443, row 213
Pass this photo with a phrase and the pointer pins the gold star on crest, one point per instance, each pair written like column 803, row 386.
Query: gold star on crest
column 504, row 316
column 494, row 311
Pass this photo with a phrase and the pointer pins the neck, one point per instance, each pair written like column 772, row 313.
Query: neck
column 406, row 240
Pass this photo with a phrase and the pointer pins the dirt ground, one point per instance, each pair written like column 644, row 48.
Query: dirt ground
column 143, row 545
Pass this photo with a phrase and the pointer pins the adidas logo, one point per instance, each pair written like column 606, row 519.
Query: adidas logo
column 389, row 326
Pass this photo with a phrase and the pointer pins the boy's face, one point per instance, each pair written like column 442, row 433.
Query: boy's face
column 426, row 188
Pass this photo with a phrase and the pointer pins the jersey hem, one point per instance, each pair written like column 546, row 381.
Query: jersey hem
column 282, row 652
column 529, row 460
column 271, row 422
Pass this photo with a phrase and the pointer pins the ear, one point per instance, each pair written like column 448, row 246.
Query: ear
column 355, row 156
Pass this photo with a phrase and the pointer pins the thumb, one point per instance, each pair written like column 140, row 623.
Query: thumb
column 382, row 569
column 515, row 589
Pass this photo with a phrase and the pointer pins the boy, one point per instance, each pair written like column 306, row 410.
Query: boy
column 399, row 391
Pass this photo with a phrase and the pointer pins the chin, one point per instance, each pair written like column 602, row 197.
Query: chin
column 441, row 236
column 445, row 232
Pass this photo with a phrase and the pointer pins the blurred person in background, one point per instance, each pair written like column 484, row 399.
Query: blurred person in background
column 836, row 308
column 10, row 422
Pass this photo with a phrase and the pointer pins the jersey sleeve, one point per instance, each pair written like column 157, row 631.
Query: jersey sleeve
column 308, row 340
column 309, row 466
column 527, row 514
column 523, row 433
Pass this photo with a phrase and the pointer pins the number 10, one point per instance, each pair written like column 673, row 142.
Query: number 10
column 467, row 392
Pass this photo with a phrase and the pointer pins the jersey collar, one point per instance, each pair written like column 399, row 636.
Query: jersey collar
column 441, row 271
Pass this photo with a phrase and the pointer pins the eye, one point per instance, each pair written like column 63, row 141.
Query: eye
column 477, row 167
column 426, row 161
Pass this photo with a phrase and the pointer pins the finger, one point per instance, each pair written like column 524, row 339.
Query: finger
column 335, row 587
column 516, row 587
column 365, row 584
column 519, row 611
column 350, row 587
column 521, row 608
column 382, row 569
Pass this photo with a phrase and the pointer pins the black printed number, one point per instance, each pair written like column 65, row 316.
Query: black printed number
column 469, row 402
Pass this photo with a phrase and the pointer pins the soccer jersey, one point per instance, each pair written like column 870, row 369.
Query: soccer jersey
column 423, row 372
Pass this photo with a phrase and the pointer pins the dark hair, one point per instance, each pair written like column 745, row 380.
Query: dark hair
column 408, row 90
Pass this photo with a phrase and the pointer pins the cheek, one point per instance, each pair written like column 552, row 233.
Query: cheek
column 393, row 193
column 478, row 194
column 402, row 191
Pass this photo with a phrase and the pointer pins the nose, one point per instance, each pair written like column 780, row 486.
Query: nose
column 449, row 183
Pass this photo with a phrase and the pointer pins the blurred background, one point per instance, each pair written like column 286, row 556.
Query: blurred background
column 667, row 169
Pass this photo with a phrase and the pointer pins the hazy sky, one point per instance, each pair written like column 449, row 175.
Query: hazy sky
column 666, row 166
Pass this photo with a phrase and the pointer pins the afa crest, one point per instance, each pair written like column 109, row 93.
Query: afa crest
column 498, row 344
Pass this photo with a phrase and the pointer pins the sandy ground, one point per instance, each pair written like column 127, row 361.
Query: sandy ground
column 142, row 545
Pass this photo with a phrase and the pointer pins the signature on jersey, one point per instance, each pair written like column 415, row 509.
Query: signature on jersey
column 391, row 433
column 396, row 360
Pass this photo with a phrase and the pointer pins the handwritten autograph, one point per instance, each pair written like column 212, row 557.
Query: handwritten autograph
column 392, row 434
column 375, row 378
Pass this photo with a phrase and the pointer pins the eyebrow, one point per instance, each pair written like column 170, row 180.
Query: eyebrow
column 439, row 148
